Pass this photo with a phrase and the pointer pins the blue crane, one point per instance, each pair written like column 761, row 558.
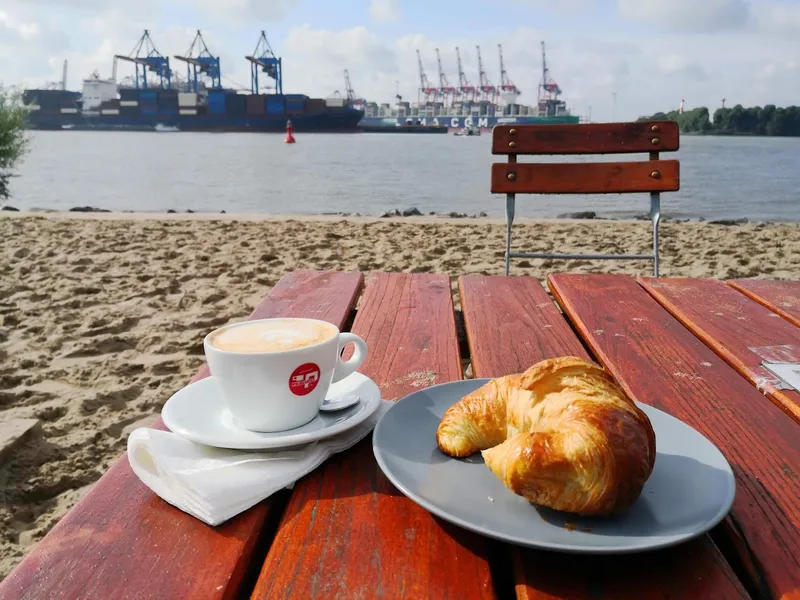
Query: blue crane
column 199, row 61
column 264, row 60
column 146, row 58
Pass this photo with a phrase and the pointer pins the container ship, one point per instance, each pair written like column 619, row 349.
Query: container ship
column 466, row 106
column 158, row 100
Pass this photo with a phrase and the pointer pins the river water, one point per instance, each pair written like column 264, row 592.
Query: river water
column 756, row 178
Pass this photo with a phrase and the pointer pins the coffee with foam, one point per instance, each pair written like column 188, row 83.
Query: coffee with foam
column 277, row 335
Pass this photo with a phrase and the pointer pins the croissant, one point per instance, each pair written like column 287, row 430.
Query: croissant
column 562, row 434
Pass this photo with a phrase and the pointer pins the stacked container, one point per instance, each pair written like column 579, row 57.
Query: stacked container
column 168, row 102
column 295, row 104
column 236, row 105
column 256, row 104
column 315, row 105
column 68, row 104
column 110, row 107
column 216, row 103
column 187, row 103
column 148, row 102
column 275, row 105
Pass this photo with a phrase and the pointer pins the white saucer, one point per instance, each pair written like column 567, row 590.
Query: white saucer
column 198, row 413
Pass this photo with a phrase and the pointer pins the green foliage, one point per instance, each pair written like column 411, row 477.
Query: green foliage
column 13, row 141
column 738, row 120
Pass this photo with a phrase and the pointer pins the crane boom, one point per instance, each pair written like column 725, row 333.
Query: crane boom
column 465, row 88
column 488, row 91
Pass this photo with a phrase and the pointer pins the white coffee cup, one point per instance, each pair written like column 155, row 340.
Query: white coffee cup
column 274, row 373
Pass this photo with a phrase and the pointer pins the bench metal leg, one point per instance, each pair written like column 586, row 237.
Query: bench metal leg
column 655, row 215
column 510, row 205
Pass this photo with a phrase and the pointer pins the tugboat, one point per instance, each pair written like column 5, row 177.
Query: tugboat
column 468, row 130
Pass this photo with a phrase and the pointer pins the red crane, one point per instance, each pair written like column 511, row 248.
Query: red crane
column 465, row 89
column 445, row 89
column 428, row 92
column 488, row 91
column 505, row 81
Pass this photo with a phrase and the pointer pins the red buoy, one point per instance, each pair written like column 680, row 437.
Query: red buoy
column 289, row 137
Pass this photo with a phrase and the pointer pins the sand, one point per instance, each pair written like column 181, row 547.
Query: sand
column 103, row 315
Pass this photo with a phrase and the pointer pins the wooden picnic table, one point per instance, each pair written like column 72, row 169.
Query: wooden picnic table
column 689, row 347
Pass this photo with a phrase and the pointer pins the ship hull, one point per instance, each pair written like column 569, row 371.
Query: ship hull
column 454, row 122
column 345, row 121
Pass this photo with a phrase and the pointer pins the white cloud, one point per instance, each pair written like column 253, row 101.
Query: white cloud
column 688, row 15
column 780, row 18
column 648, row 69
column 243, row 11
column 384, row 10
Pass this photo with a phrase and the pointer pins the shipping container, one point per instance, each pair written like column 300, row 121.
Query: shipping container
column 148, row 110
column 167, row 111
column 129, row 111
column 110, row 111
column 274, row 105
column 202, row 110
column 189, row 111
column 147, row 97
column 236, row 104
column 337, row 102
column 216, row 108
column 129, row 94
column 188, row 100
column 168, row 99
column 256, row 104
column 128, row 103
column 315, row 105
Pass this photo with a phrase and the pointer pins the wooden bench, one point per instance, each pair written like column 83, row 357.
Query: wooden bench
column 653, row 176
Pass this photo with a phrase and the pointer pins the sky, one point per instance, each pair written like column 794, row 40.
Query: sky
column 616, row 59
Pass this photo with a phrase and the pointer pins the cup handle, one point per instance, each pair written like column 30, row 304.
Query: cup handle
column 348, row 367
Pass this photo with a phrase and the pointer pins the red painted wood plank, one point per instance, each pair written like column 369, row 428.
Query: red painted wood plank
column 347, row 532
column 586, row 178
column 782, row 297
column 123, row 541
column 744, row 333
column 511, row 324
column 593, row 138
column 660, row 362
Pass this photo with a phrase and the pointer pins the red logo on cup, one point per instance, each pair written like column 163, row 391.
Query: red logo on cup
column 304, row 379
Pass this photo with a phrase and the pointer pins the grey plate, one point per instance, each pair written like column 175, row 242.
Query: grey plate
column 690, row 490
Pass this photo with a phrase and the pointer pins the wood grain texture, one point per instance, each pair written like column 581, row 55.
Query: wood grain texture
column 660, row 362
column 347, row 532
column 512, row 324
column 123, row 541
column 741, row 331
column 782, row 297
column 586, row 178
column 594, row 138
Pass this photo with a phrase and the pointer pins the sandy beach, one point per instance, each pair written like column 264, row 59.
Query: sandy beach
column 102, row 316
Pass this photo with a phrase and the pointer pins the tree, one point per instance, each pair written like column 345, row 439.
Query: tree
column 13, row 141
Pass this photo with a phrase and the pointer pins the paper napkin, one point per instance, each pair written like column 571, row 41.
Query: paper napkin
column 213, row 484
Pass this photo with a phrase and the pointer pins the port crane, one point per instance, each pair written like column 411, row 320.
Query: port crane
column 465, row 89
column 350, row 94
column 426, row 89
column 199, row 61
column 445, row 89
column 146, row 58
column 505, row 81
column 487, row 90
column 548, row 90
column 264, row 60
